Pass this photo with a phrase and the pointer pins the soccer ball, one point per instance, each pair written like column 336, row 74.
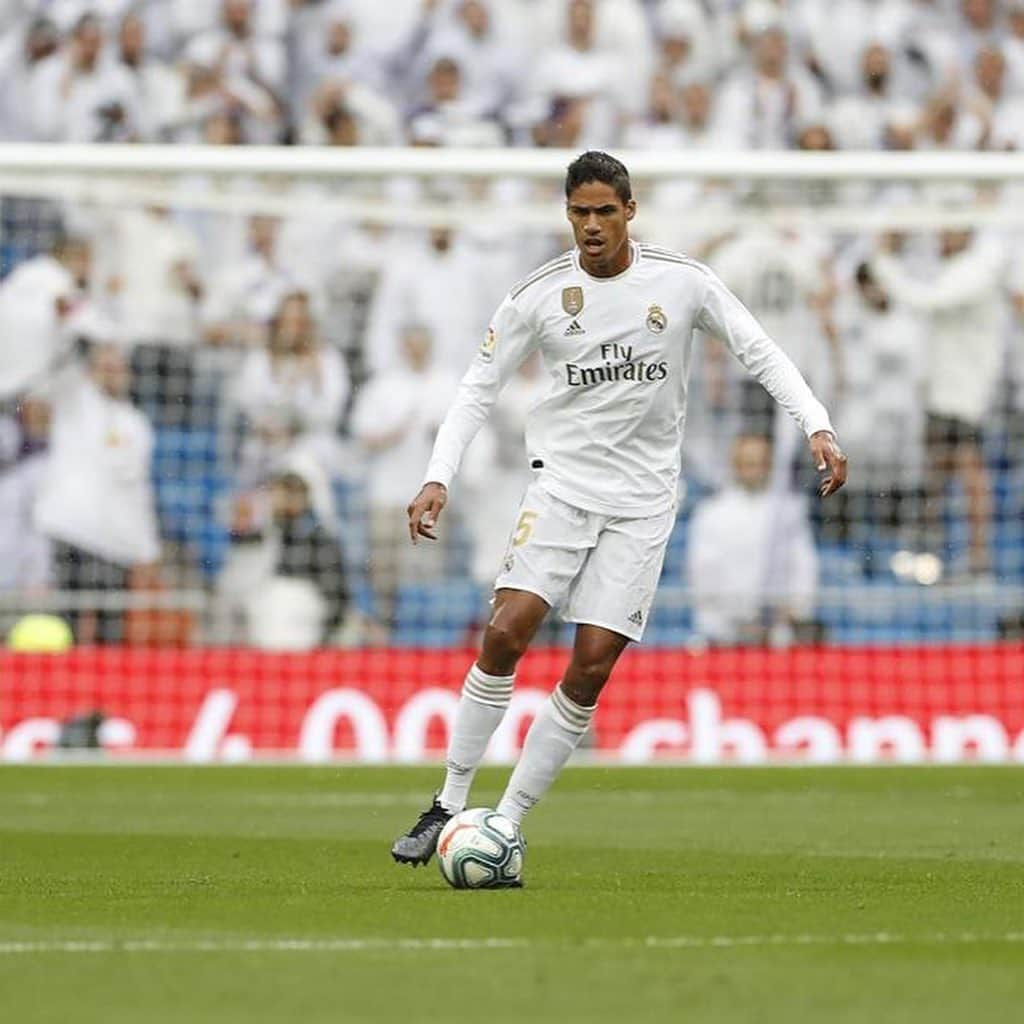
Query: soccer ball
column 481, row 849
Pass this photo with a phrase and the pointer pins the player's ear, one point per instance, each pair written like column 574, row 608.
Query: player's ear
column 631, row 209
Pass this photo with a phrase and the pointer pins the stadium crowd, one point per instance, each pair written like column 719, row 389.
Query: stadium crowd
column 582, row 73
column 194, row 399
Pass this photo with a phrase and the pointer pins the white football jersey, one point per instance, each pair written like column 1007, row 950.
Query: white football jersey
column 607, row 435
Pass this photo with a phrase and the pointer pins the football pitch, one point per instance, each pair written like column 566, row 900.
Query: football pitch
column 259, row 894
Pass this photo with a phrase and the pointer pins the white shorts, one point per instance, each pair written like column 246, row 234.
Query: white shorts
column 597, row 569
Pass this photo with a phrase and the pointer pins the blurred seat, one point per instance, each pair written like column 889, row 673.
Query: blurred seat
column 190, row 478
column 885, row 613
column 438, row 614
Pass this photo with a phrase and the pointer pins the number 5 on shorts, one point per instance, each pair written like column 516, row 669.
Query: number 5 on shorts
column 524, row 528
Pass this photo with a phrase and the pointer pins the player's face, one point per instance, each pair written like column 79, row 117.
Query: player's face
column 600, row 224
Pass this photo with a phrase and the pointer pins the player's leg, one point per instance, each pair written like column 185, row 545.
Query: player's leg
column 563, row 720
column 609, row 601
column 483, row 702
column 547, row 548
column 516, row 617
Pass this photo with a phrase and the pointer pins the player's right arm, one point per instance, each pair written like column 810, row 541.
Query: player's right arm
column 509, row 340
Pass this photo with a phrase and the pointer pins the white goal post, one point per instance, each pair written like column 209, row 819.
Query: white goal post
column 832, row 191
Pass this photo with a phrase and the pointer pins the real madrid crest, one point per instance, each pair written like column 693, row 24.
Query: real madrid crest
column 656, row 319
column 488, row 344
column 572, row 300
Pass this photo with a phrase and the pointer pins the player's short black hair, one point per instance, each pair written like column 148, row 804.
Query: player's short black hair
column 597, row 166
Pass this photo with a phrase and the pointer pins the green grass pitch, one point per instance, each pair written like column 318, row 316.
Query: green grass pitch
column 267, row 894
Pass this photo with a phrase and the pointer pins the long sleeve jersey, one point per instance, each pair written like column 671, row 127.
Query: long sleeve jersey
column 607, row 435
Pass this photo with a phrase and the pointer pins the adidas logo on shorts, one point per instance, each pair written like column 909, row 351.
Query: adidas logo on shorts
column 574, row 328
column 637, row 618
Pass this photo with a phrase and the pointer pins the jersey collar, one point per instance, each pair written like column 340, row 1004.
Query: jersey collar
column 634, row 252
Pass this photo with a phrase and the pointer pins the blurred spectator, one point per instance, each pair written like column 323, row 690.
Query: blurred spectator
column 21, row 52
column 412, row 280
column 395, row 418
column 562, row 125
column 472, row 37
column 218, row 112
column 581, row 69
column 25, row 552
column 346, row 113
column 67, row 13
column 155, row 295
column 151, row 261
column 945, row 124
column 660, row 126
column 159, row 89
column 241, row 299
column 249, row 69
column 37, row 302
column 999, row 111
column 765, row 107
column 331, row 52
column 925, row 31
column 859, row 118
column 980, row 27
column 964, row 306
column 285, row 577
column 291, row 393
column 96, row 500
column 686, row 47
column 1013, row 46
column 450, row 115
column 80, row 94
column 783, row 279
column 752, row 567
column 837, row 35
column 339, row 125
column 696, row 115
column 238, row 50
column 881, row 414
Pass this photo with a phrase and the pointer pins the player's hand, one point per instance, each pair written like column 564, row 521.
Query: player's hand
column 828, row 455
column 425, row 510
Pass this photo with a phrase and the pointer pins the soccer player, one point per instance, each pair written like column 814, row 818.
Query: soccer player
column 613, row 321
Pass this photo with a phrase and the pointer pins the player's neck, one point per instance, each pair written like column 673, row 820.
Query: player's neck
column 611, row 265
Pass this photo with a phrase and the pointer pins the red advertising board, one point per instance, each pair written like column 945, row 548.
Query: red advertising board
column 749, row 706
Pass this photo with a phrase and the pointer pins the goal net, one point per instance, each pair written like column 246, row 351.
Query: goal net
column 221, row 371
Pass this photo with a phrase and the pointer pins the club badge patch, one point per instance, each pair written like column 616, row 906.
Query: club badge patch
column 487, row 346
column 656, row 319
column 572, row 300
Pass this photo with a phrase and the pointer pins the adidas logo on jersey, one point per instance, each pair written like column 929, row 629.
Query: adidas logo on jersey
column 637, row 618
column 574, row 328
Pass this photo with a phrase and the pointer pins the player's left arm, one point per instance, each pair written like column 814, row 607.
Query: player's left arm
column 722, row 314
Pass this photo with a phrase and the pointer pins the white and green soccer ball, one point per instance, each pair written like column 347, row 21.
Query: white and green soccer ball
column 481, row 849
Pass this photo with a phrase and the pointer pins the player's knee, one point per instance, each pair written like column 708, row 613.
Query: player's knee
column 503, row 646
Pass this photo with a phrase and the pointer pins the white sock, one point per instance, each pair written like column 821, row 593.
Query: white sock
column 553, row 736
column 482, row 706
